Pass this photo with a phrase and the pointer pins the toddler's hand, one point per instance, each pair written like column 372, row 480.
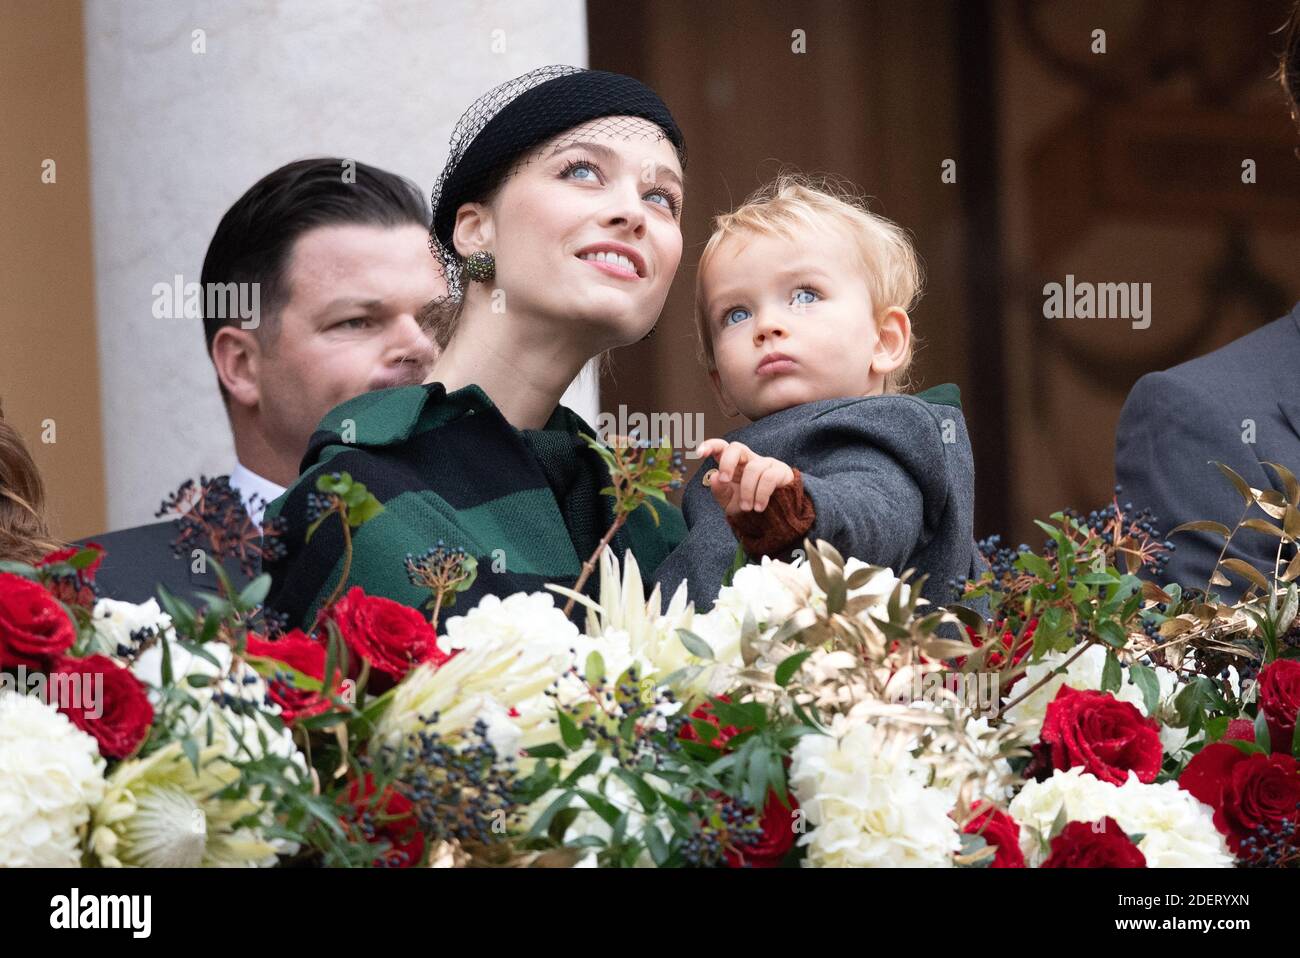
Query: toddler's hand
column 744, row 480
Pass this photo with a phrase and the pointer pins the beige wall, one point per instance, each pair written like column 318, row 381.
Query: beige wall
column 48, row 366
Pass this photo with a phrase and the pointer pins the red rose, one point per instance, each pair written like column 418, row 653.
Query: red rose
column 75, row 589
column 776, row 838
column 1243, row 729
column 1083, row 845
column 392, row 637
column 102, row 699
column 388, row 818
column 1023, row 646
column 304, row 654
column 1107, row 737
column 1247, row 792
column 705, row 714
column 1000, row 831
column 1279, row 697
column 34, row 629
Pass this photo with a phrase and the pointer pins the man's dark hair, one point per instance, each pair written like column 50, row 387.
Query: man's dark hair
column 255, row 238
column 1289, row 69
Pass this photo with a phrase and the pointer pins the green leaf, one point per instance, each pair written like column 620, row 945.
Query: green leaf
column 1036, row 565
column 1111, row 675
column 168, row 679
column 585, row 768
column 1261, row 732
column 788, row 667
column 191, row 749
column 646, row 795
column 83, row 559
column 549, row 750
column 965, row 615
column 1145, row 679
column 1249, row 748
column 23, row 569
column 1097, row 578
column 1112, row 633
column 364, row 511
column 254, row 593
column 695, row 645
column 654, row 843
column 594, row 672
column 569, row 732
column 544, row 820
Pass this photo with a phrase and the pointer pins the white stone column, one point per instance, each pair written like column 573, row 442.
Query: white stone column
column 191, row 102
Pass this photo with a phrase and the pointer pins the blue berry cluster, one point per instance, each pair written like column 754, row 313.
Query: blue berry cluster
column 1272, row 847
column 459, row 791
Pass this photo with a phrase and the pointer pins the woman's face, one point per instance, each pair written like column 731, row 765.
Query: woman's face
column 588, row 230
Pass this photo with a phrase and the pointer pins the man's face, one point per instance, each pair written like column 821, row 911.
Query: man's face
column 349, row 325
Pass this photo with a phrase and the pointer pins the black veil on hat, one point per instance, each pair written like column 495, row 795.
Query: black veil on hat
column 495, row 137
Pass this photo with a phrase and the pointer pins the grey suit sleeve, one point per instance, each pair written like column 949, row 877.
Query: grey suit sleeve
column 1169, row 435
column 877, row 492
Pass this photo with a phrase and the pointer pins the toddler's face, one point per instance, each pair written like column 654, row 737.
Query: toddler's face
column 792, row 322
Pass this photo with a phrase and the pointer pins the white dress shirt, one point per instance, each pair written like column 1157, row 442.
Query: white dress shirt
column 248, row 483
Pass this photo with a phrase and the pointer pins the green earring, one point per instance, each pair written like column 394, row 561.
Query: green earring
column 480, row 266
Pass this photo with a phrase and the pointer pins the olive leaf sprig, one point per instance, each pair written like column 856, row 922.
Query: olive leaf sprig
column 337, row 493
column 639, row 472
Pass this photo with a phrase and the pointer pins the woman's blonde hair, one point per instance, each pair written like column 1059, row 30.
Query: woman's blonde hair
column 24, row 534
column 793, row 201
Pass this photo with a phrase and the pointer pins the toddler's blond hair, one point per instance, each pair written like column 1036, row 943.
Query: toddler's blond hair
column 792, row 200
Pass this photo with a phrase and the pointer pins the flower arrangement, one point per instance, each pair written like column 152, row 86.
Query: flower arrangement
column 820, row 714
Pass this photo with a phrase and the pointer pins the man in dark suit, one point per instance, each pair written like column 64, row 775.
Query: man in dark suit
column 1239, row 405
column 333, row 256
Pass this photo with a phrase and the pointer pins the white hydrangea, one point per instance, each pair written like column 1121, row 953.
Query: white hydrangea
column 868, row 802
column 114, row 622
column 51, row 775
column 240, row 682
column 1084, row 673
column 772, row 590
column 1177, row 830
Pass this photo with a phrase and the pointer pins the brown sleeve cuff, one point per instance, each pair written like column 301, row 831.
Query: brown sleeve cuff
column 778, row 528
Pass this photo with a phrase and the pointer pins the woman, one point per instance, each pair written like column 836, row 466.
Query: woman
column 24, row 534
column 557, row 221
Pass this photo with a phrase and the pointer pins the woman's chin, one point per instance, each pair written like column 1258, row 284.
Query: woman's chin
column 607, row 326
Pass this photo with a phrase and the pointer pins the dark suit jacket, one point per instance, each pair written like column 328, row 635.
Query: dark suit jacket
column 1239, row 405
column 137, row 560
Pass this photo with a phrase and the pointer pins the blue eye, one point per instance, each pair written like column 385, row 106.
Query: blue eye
column 804, row 297
column 728, row 316
column 582, row 165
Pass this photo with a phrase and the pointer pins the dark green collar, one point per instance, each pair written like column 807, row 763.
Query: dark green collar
column 945, row 394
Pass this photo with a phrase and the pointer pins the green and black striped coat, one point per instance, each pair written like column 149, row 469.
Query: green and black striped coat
column 526, row 504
